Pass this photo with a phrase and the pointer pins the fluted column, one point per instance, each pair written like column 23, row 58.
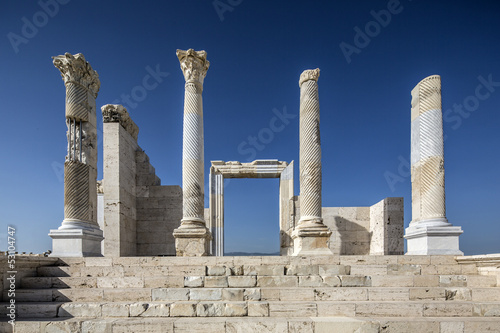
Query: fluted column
column 311, row 235
column 429, row 231
column 192, row 238
column 79, row 233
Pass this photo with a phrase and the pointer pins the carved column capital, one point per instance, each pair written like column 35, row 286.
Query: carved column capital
column 194, row 65
column 309, row 74
column 116, row 113
column 74, row 68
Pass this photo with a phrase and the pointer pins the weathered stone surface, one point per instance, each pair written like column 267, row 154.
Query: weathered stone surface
column 115, row 310
column 194, row 281
column 216, row 281
column 232, row 294
column 236, row 309
column 277, row 281
column 210, row 309
column 242, row 281
column 258, row 309
column 149, row 310
column 205, row 294
column 183, row 309
column 80, row 310
column 170, row 294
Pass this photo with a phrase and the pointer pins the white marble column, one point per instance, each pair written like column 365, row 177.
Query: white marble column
column 79, row 234
column 311, row 235
column 192, row 238
column 429, row 231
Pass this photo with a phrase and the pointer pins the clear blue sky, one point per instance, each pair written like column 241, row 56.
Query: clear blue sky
column 257, row 50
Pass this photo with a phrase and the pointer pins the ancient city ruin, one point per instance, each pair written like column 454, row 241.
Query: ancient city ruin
column 133, row 255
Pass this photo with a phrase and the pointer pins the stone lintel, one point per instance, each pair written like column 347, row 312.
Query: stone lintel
column 255, row 169
column 74, row 68
column 115, row 113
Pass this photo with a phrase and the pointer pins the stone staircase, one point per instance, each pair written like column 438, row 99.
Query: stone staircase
column 257, row 294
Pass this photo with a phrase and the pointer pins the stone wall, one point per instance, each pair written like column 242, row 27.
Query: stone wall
column 159, row 211
column 139, row 214
column 358, row 230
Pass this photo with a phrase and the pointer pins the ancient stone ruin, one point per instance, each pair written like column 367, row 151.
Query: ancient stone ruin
column 133, row 255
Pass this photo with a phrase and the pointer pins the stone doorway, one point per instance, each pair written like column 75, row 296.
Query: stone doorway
column 256, row 169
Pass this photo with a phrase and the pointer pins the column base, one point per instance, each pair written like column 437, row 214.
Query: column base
column 428, row 240
column 76, row 242
column 311, row 242
column 192, row 242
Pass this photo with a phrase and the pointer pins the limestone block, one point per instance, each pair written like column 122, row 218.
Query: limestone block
column 448, row 310
column 149, row 310
column 406, row 269
column 435, row 294
column 142, row 325
column 205, row 294
column 115, row 310
column 183, row 309
column 302, row 270
column 261, row 270
column 210, row 309
column 296, row 294
column 331, row 309
column 123, row 295
column 194, row 281
column 252, row 294
column 121, row 282
column 293, row 309
column 29, row 310
column 77, row 295
column 355, row 281
column 481, row 281
column 486, row 294
column 170, row 294
column 395, row 326
column 277, row 281
column 91, row 310
column 453, row 281
column 486, row 310
column 451, row 327
column 242, row 281
column 426, row 281
column 59, row 327
column 258, row 309
column 232, row 294
column 216, row 281
column 389, row 309
column 311, row 281
column 21, row 327
column 328, row 270
column 216, row 270
column 332, row 281
column 185, row 270
column 186, row 325
column 270, row 294
column 389, row 294
column 369, row 270
column 252, row 326
column 163, row 282
column 341, row 294
column 458, row 294
column 236, row 309
column 392, row 280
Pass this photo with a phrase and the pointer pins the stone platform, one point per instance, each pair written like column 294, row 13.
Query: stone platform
column 257, row 294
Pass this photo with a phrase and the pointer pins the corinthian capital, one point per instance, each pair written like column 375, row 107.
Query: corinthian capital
column 74, row 68
column 194, row 65
column 309, row 74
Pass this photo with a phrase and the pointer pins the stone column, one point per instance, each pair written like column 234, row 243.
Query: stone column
column 311, row 235
column 79, row 234
column 192, row 238
column 429, row 231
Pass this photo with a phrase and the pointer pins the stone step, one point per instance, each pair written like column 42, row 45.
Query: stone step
column 250, row 281
column 413, row 294
column 258, row 325
column 255, row 309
